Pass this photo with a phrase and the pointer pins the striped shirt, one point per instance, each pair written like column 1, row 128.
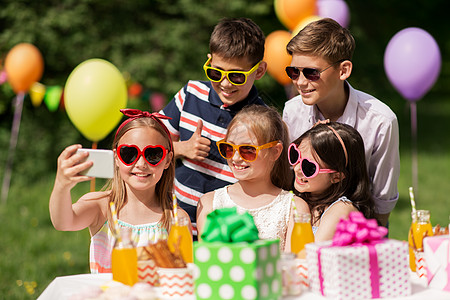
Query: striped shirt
column 197, row 100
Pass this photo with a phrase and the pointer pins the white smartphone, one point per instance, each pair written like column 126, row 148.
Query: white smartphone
column 103, row 166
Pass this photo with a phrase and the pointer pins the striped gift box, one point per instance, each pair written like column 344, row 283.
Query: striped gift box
column 302, row 272
column 147, row 272
column 176, row 282
column 421, row 267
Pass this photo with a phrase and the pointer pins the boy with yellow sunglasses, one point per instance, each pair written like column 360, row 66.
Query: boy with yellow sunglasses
column 202, row 110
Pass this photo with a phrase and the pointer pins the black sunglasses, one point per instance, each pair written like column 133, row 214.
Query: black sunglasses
column 309, row 73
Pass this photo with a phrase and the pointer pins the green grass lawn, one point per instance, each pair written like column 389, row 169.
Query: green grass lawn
column 33, row 253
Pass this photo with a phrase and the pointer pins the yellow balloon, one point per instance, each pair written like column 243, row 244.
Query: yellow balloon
column 37, row 93
column 303, row 23
column 93, row 96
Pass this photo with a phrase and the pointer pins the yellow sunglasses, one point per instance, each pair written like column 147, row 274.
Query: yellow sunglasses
column 247, row 152
column 235, row 77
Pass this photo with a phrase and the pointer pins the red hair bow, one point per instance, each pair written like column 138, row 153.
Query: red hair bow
column 134, row 114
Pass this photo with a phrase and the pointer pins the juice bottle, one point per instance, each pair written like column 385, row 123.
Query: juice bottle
column 124, row 259
column 419, row 230
column 412, row 259
column 180, row 237
column 301, row 233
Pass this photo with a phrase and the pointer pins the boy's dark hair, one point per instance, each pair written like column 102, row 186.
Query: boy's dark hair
column 327, row 148
column 238, row 38
column 324, row 38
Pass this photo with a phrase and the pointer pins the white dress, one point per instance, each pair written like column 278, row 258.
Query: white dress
column 271, row 220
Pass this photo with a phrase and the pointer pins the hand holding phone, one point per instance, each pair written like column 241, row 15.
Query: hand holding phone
column 103, row 166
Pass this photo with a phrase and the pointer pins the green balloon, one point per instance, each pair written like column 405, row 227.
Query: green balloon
column 52, row 97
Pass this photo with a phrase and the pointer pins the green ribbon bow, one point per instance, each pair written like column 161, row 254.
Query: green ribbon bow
column 226, row 225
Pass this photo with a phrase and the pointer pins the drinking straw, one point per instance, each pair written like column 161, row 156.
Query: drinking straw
column 175, row 205
column 294, row 206
column 115, row 220
column 411, row 197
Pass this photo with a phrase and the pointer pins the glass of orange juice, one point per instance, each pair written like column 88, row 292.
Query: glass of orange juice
column 420, row 227
column 180, row 238
column 301, row 233
column 124, row 259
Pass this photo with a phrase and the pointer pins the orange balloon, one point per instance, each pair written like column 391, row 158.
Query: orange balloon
column 24, row 66
column 276, row 55
column 292, row 12
column 303, row 23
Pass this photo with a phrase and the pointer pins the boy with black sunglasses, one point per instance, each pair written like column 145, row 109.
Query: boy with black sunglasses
column 321, row 64
column 202, row 110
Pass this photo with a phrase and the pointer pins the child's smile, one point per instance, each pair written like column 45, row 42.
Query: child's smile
column 229, row 93
column 239, row 167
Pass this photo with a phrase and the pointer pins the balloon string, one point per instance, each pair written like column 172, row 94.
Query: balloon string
column 12, row 145
column 414, row 145
column 94, row 146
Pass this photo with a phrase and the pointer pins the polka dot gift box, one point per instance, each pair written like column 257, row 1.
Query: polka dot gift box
column 231, row 263
column 359, row 263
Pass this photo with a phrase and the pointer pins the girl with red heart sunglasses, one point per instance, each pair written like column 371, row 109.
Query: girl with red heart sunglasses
column 141, row 189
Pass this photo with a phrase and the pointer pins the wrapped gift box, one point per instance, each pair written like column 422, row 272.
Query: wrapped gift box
column 359, row 263
column 238, row 270
column 437, row 261
column 147, row 272
column 347, row 272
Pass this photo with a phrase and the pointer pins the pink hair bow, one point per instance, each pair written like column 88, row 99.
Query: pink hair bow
column 357, row 230
column 134, row 114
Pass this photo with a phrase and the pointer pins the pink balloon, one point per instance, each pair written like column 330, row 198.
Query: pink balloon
column 335, row 9
column 412, row 62
column 157, row 101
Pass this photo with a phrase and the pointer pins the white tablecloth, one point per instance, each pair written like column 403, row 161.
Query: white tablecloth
column 62, row 288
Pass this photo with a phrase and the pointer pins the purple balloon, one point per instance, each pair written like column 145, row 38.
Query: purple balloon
column 412, row 62
column 334, row 9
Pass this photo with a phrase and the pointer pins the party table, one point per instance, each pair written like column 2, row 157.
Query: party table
column 64, row 287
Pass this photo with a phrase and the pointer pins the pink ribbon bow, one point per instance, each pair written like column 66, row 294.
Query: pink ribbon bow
column 357, row 230
column 134, row 114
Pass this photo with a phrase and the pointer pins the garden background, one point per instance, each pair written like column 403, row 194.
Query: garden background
column 161, row 44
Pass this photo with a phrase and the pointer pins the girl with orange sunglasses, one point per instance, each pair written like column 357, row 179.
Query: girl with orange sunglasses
column 255, row 148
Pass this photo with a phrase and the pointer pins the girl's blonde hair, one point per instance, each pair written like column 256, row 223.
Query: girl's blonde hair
column 163, row 189
column 266, row 124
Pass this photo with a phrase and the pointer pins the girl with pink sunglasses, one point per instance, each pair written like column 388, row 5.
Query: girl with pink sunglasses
column 331, row 175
